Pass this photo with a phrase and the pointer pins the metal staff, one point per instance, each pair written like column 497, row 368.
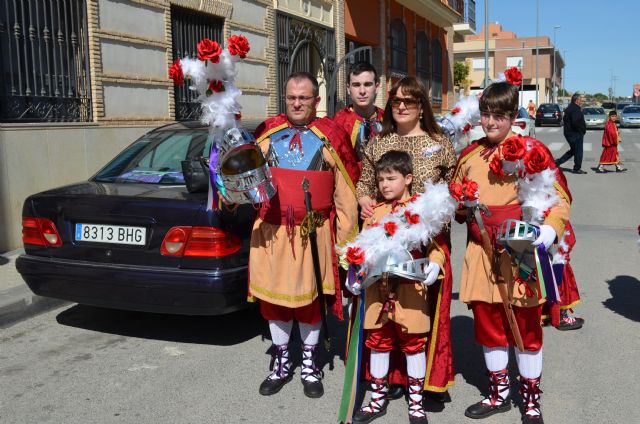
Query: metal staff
column 308, row 227
column 501, row 267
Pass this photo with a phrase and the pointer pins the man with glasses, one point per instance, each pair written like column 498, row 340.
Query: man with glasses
column 299, row 145
column 362, row 118
column 574, row 130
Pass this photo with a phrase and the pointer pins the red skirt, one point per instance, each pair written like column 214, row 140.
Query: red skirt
column 609, row 156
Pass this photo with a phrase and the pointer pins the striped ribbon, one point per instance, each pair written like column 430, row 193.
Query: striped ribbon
column 352, row 371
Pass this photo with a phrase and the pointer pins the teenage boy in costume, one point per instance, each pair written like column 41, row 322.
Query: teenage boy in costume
column 480, row 279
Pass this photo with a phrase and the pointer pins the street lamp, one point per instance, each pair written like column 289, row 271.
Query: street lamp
column 554, row 95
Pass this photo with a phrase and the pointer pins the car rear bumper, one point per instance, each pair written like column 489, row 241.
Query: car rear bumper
column 137, row 288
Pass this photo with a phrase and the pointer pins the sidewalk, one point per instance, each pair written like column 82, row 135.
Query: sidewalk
column 17, row 301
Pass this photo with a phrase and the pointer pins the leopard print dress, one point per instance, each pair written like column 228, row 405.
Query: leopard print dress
column 433, row 158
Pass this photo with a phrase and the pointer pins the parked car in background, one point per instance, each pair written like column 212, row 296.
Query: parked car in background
column 630, row 116
column 620, row 107
column 133, row 237
column 549, row 114
column 608, row 107
column 594, row 117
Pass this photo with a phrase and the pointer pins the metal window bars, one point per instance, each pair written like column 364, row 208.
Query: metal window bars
column 45, row 61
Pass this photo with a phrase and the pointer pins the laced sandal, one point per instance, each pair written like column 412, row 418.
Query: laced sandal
column 530, row 392
column 417, row 414
column 498, row 399
column 280, row 372
column 310, row 374
column 567, row 322
column 377, row 407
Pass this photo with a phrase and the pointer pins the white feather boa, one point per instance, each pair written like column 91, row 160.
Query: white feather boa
column 435, row 208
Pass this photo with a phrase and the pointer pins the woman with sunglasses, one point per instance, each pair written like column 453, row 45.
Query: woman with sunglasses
column 409, row 126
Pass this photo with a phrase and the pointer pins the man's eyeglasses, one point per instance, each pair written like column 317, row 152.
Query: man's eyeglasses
column 409, row 102
column 301, row 99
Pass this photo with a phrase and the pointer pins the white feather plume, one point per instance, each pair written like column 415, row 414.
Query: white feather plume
column 435, row 207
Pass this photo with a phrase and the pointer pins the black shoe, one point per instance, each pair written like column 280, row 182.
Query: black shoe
column 480, row 410
column 396, row 391
column 366, row 417
column 439, row 397
column 313, row 389
column 272, row 386
column 566, row 324
column 579, row 171
column 530, row 420
column 418, row 420
column 621, row 169
column 600, row 171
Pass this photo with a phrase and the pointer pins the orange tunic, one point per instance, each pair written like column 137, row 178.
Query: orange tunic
column 410, row 309
column 281, row 269
column 476, row 280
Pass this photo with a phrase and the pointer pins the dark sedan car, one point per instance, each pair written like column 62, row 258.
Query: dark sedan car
column 549, row 114
column 133, row 237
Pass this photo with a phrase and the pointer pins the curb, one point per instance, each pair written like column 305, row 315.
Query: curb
column 18, row 302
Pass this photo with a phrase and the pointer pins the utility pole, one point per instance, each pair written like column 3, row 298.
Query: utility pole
column 611, row 85
column 615, row 78
column 554, row 93
column 564, row 72
column 486, row 43
column 537, row 32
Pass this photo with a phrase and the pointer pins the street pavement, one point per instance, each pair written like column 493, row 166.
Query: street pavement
column 79, row 364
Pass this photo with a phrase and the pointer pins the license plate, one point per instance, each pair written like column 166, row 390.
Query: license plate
column 548, row 115
column 118, row 234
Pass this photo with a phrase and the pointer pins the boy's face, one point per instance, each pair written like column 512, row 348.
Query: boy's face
column 613, row 118
column 496, row 126
column 393, row 185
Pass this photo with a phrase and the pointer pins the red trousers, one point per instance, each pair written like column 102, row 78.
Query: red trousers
column 384, row 339
column 309, row 314
column 492, row 328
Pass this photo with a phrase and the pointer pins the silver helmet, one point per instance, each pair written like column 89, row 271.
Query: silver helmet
column 397, row 263
column 518, row 235
column 243, row 172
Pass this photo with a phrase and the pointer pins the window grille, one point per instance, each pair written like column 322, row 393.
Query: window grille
column 436, row 71
column 422, row 59
column 188, row 27
column 398, row 47
column 44, row 71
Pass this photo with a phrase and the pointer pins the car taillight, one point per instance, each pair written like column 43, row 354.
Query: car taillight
column 520, row 124
column 558, row 114
column 199, row 241
column 175, row 240
column 40, row 232
column 539, row 114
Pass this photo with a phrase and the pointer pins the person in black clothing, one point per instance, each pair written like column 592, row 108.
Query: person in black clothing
column 574, row 130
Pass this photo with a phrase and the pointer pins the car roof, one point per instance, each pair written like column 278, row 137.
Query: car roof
column 183, row 125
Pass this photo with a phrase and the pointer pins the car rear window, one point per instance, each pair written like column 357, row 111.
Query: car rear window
column 549, row 108
column 593, row 111
column 622, row 105
column 631, row 109
column 609, row 105
column 156, row 158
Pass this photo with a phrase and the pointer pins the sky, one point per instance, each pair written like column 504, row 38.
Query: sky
column 600, row 37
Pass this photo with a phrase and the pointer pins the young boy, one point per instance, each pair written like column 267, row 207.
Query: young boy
column 396, row 309
column 610, row 140
column 479, row 286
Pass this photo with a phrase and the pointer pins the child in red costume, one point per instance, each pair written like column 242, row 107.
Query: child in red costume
column 610, row 140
